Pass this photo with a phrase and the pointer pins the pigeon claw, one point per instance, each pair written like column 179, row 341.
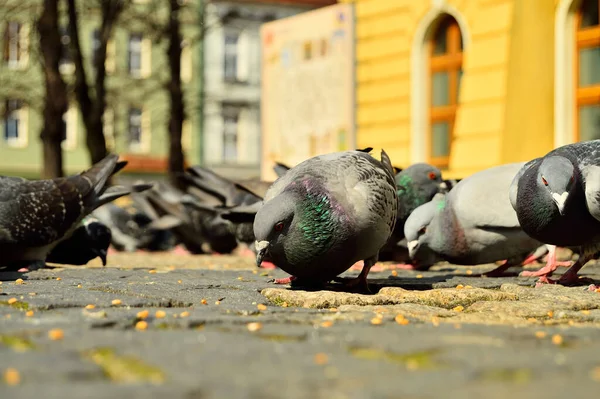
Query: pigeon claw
column 285, row 280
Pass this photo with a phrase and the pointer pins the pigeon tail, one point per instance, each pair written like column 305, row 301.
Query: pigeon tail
column 387, row 162
column 99, row 173
column 112, row 193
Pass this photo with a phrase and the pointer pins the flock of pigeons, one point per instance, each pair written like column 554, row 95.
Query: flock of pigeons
column 320, row 217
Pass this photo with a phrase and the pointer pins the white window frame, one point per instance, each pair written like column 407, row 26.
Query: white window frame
column 71, row 119
column 419, row 72
column 108, row 127
column 186, row 62
column 186, row 135
column 22, row 139
column 18, row 48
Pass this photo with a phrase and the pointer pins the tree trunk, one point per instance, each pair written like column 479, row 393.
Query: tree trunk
column 177, row 114
column 56, row 101
column 92, row 109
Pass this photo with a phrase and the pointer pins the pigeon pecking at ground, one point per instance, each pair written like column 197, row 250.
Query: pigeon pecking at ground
column 89, row 241
column 36, row 215
column 473, row 224
column 327, row 213
column 416, row 185
column 557, row 201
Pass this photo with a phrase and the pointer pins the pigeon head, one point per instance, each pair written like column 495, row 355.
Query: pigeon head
column 416, row 233
column 297, row 226
column 272, row 225
column 557, row 178
column 421, row 174
column 89, row 240
column 97, row 239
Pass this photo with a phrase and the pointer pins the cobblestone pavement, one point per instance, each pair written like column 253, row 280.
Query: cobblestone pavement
column 159, row 325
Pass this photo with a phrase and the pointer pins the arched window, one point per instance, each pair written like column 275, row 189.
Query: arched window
column 587, row 71
column 445, row 70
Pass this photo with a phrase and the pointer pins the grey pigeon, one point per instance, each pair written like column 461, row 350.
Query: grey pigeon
column 557, row 201
column 36, row 215
column 473, row 224
column 88, row 241
column 327, row 213
column 416, row 185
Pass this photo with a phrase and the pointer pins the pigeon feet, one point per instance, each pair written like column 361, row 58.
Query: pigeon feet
column 267, row 265
column 285, row 280
column 594, row 288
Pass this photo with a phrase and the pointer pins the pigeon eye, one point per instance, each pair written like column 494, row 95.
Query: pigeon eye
column 422, row 230
column 544, row 181
column 278, row 227
column 431, row 176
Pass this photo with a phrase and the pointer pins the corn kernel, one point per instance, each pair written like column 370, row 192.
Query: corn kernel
column 254, row 326
column 141, row 325
column 160, row 314
column 56, row 334
column 321, row 359
column 557, row 339
column 540, row 334
column 12, row 376
column 142, row 314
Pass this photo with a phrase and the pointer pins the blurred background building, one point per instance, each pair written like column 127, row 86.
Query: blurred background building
column 232, row 81
column 462, row 84
column 468, row 84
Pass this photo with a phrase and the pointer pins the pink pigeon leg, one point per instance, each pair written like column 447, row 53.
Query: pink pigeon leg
column 267, row 265
column 551, row 265
column 285, row 280
column 570, row 277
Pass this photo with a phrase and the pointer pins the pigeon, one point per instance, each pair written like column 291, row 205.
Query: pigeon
column 88, row 241
column 557, row 200
column 416, row 185
column 280, row 169
column 36, row 215
column 327, row 213
column 473, row 224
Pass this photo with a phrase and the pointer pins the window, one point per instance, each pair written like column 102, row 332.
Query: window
column 15, row 123
column 231, row 116
column 139, row 56
column 16, row 43
column 135, row 127
column 230, row 62
column 587, row 71
column 445, row 74
column 135, row 54
column 139, row 130
column 95, row 46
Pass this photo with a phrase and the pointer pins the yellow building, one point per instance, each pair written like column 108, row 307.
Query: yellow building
column 469, row 84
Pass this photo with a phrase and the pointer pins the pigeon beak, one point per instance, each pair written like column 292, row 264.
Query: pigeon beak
column 443, row 186
column 101, row 253
column 261, row 250
column 560, row 200
column 412, row 248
